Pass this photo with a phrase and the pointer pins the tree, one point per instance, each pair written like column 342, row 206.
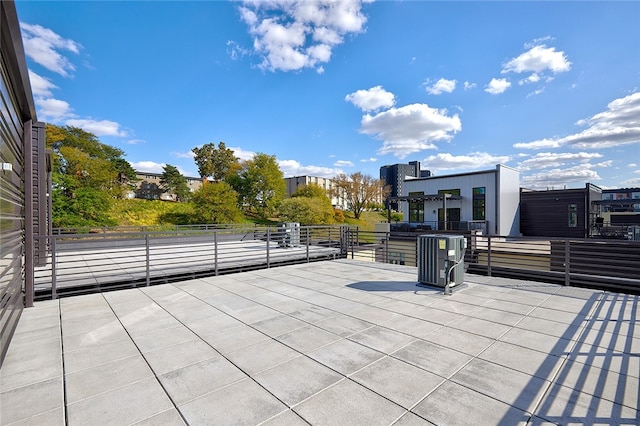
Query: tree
column 359, row 190
column 216, row 203
column 216, row 163
column 86, row 176
column 173, row 181
column 309, row 205
column 262, row 183
column 307, row 211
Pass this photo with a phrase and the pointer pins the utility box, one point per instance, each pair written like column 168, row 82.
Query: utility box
column 291, row 234
column 441, row 259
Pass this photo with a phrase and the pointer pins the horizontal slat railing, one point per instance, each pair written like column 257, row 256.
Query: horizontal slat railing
column 602, row 264
column 82, row 263
column 111, row 259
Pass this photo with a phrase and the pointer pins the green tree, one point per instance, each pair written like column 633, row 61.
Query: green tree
column 174, row 182
column 359, row 190
column 262, row 183
column 86, row 176
column 216, row 202
column 309, row 205
column 216, row 163
column 307, row 211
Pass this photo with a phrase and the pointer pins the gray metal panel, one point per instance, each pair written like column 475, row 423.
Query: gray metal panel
column 16, row 108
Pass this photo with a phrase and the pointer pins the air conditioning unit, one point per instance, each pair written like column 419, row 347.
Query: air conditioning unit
column 441, row 259
column 291, row 236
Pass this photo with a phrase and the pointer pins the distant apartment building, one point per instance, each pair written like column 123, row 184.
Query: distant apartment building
column 487, row 200
column 148, row 187
column 560, row 212
column 394, row 176
column 296, row 183
column 620, row 206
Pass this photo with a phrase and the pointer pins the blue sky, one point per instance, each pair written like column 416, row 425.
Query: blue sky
column 549, row 88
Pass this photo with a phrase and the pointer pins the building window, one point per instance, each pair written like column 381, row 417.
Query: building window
column 573, row 216
column 449, row 191
column 479, row 199
column 416, row 209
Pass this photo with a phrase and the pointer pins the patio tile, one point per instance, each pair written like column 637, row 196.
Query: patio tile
column 400, row 382
column 349, row 403
column 27, row 402
column 277, row 325
column 103, row 378
column 195, row 380
column 509, row 386
column 563, row 403
column 382, row 339
column 124, row 405
column 171, row 358
column 433, row 358
column 453, row 404
column 461, row 341
column 343, row 325
column 98, row 354
column 169, row 417
column 525, row 360
column 286, row 418
column 296, row 380
column 243, row 402
column 345, row 356
column 307, row 338
column 262, row 356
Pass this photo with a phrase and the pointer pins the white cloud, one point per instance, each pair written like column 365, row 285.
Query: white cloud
column 548, row 159
column 40, row 86
column 135, row 141
column 538, row 59
column 410, row 128
column 98, row 127
column 441, row 86
column 558, row 178
column 472, row 161
column 188, row 155
column 44, row 46
column 343, row 163
column 369, row 160
column 371, row 99
column 148, row 166
column 618, row 125
column 295, row 34
column 242, row 154
column 631, row 183
column 632, row 165
column 533, row 78
column 293, row 168
column 53, row 110
column 468, row 85
column 497, row 86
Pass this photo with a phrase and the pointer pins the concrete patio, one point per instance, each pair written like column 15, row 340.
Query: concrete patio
column 326, row 343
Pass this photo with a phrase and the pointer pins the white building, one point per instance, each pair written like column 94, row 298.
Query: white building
column 487, row 200
column 296, row 183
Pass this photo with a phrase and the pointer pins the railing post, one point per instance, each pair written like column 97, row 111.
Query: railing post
column 488, row 255
column 567, row 263
column 54, row 280
column 215, row 251
column 386, row 247
column 308, row 260
column 147, row 259
column 268, row 247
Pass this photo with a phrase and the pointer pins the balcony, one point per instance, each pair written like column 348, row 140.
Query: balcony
column 339, row 341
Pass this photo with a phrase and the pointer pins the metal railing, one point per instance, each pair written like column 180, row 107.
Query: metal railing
column 603, row 264
column 113, row 259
